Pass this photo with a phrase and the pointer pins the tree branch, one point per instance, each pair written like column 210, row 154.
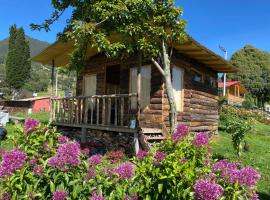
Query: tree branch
column 158, row 67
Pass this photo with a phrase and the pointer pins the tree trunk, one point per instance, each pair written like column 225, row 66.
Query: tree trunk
column 169, row 88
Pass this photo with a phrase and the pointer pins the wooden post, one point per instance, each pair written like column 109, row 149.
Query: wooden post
column 52, row 77
column 139, row 89
column 136, row 143
column 83, row 136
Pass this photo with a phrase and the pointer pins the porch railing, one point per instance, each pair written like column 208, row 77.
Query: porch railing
column 99, row 110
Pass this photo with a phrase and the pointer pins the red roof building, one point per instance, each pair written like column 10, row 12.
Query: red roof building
column 235, row 92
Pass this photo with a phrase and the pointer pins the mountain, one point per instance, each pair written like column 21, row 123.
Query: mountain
column 36, row 46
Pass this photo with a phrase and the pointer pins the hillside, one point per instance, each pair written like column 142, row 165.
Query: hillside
column 36, row 46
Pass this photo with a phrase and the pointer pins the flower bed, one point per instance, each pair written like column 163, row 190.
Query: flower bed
column 46, row 165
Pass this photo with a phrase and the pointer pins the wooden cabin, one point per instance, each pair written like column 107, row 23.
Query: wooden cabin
column 235, row 92
column 106, row 105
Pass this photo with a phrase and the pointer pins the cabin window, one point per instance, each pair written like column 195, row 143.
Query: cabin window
column 177, row 81
column 145, row 85
column 198, row 77
column 211, row 81
column 90, row 84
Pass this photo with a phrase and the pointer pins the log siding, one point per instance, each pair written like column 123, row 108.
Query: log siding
column 200, row 101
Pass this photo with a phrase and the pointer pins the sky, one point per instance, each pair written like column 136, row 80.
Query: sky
column 229, row 23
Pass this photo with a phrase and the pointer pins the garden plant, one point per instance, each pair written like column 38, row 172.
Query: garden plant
column 46, row 165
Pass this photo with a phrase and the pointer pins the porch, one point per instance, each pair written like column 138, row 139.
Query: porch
column 114, row 112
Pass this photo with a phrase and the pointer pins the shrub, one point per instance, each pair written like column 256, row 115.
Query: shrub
column 51, row 166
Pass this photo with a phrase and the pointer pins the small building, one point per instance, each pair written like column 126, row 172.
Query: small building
column 27, row 106
column 105, row 107
column 235, row 92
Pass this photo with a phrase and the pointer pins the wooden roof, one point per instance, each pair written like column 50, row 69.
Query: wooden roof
column 60, row 53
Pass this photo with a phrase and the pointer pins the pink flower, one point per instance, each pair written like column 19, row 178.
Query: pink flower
column 68, row 155
column 30, row 125
column 63, row 139
column 85, row 151
column 38, row 170
column 207, row 190
column 33, row 161
column 229, row 171
column 95, row 159
column 159, row 156
column 200, row 139
column 181, row 131
column 95, row 196
column 142, row 154
column 60, row 195
column 134, row 197
column 125, row 170
column 91, row 174
column 12, row 160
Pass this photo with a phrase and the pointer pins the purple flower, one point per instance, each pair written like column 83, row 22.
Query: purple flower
column 95, row 159
column 46, row 147
column 142, row 154
column 200, row 139
column 125, row 170
column 252, row 195
column 85, row 151
column 230, row 172
column 60, row 195
column 248, row 177
column 91, row 174
column 159, row 156
column 33, row 161
column 207, row 190
column 181, row 131
column 5, row 196
column 38, row 170
column 12, row 161
column 183, row 160
column 63, row 139
column 95, row 196
column 68, row 155
column 30, row 125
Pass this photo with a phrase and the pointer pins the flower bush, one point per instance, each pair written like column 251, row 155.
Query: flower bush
column 47, row 165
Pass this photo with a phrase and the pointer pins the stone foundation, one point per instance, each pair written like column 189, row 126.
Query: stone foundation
column 103, row 141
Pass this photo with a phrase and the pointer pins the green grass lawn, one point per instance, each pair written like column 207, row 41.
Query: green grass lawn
column 43, row 117
column 258, row 155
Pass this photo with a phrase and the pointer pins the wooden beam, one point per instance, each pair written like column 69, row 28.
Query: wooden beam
column 118, row 129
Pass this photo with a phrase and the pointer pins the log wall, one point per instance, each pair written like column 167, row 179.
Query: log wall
column 200, row 110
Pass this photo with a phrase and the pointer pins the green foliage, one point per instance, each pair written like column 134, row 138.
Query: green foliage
column 258, row 156
column 248, row 103
column 235, row 122
column 132, row 25
column 254, row 72
column 18, row 59
column 171, row 177
column 39, row 79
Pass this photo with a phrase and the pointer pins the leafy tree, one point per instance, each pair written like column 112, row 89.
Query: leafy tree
column 18, row 59
column 39, row 79
column 254, row 72
column 122, row 28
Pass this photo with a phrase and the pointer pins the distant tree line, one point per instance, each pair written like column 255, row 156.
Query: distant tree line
column 254, row 73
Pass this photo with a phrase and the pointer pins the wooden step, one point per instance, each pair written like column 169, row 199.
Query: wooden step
column 151, row 131
column 155, row 138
